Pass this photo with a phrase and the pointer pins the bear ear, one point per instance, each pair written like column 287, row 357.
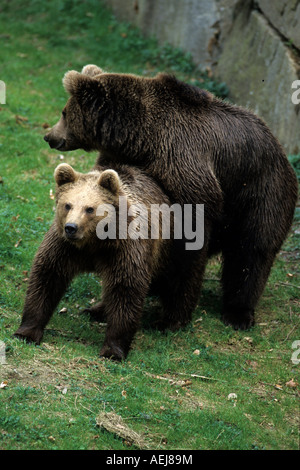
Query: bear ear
column 91, row 70
column 64, row 174
column 76, row 83
column 110, row 180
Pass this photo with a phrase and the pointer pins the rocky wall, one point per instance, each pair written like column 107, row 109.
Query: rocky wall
column 254, row 46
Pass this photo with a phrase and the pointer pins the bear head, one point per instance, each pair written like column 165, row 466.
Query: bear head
column 76, row 127
column 78, row 199
column 94, row 109
column 109, row 111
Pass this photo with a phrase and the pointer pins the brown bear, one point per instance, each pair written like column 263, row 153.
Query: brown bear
column 201, row 150
column 86, row 237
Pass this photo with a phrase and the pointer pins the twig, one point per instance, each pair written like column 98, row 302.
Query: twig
column 203, row 377
column 289, row 334
column 182, row 382
column 287, row 284
column 219, row 434
column 171, row 381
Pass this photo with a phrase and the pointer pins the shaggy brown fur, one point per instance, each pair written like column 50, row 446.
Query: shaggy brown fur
column 200, row 150
column 128, row 267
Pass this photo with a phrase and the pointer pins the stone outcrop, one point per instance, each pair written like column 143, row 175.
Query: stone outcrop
column 192, row 25
column 253, row 46
column 284, row 16
column 259, row 70
column 176, row 22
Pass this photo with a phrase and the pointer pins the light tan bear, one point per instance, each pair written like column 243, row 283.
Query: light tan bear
column 86, row 237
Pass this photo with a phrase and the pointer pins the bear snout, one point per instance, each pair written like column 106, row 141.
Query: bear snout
column 71, row 230
column 53, row 143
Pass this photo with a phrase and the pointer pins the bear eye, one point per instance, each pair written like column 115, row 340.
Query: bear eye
column 89, row 210
column 68, row 207
column 63, row 113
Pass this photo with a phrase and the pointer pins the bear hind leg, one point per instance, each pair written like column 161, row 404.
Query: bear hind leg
column 181, row 296
column 245, row 273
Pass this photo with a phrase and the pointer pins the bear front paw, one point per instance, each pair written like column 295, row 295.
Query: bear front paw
column 29, row 334
column 113, row 351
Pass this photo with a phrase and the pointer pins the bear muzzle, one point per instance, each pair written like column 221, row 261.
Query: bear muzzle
column 71, row 230
column 55, row 144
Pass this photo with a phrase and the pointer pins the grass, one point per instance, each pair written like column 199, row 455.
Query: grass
column 174, row 388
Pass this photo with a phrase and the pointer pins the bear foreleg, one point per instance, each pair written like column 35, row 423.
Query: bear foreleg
column 124, row 310
column 50, row 275
column 124, row 294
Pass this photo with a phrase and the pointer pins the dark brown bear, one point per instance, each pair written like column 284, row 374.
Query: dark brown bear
column 129, row 265
column 200, row 150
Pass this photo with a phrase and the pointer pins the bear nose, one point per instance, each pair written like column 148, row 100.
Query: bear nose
column 46, row 138
column 71, row 229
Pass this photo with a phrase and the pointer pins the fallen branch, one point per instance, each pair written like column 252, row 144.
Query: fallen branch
column 114, row 423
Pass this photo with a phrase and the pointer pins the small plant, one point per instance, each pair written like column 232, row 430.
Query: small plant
column 295, row 161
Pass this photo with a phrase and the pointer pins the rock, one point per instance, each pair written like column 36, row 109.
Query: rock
column 190, row 25
column 249, row 49
column 259, row 70
column 285, row 17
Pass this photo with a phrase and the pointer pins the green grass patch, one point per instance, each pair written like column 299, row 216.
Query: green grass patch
column 175, row 389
